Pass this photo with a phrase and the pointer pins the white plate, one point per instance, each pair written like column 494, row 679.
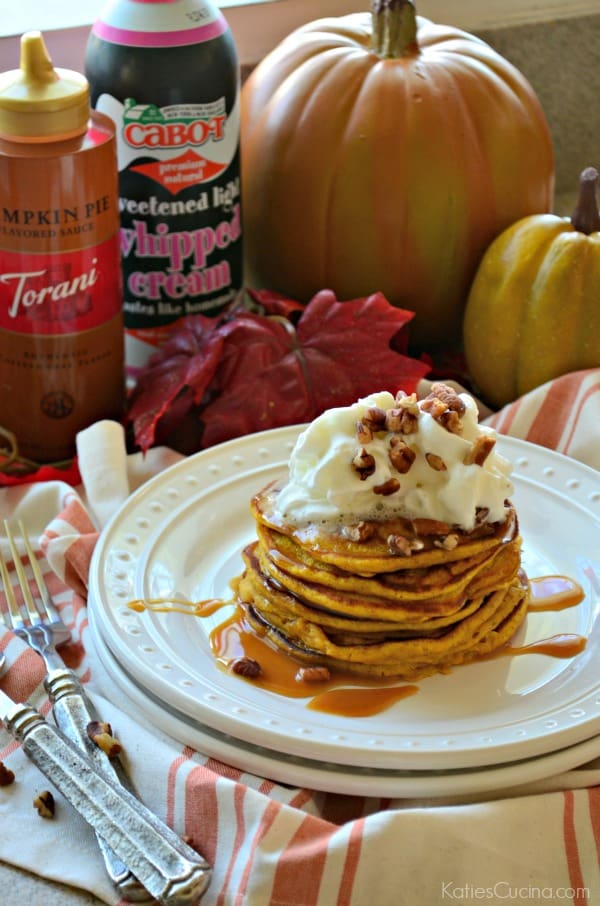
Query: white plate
column 182, row 533
column 334, row 778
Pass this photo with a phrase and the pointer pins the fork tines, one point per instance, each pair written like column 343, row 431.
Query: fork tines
column 33, row 610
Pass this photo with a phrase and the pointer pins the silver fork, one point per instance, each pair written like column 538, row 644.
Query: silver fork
column 39, row 624
column 173, row 872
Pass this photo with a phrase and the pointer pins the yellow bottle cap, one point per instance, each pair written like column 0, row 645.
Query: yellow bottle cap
column 39, row 102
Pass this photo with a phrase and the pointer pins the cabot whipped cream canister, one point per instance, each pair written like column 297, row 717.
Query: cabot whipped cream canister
column 166, row 72
column 61, row 320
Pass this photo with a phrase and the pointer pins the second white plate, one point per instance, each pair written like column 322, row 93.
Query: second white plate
column 182, row 533
column 334, row 778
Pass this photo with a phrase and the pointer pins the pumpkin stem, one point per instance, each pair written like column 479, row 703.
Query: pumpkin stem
column 394, row 28
column 586, row 216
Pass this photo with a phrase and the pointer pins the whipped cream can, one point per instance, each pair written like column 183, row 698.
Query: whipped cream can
column 166, row 72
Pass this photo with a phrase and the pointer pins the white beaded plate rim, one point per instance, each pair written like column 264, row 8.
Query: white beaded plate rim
column 182, row 533
column 328, row 776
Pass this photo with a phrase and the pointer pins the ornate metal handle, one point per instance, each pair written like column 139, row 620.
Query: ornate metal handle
column 169, row 869
column 73, row 712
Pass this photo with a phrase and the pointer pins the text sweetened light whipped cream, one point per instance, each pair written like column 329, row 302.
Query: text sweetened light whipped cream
column 387, row 456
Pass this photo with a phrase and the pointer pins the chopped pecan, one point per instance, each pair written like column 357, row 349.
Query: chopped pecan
column 481, row 514
column 393, row 420
column 245, row 666
column 436, row 462
column 313, row 674
column 100, row 733
column 445, row 406
column 448, row 543
column 44, row 803
column 363, row 463
column 374, row 418
column 408, row 402
column 360, row 531
column 401, row 421
column 401, row 456
column 430, row 527
column 6, row 775
column 434, row 406
column 447, row 395
column 480, row 450
column 364, row 433
column 399, row 544
column 451, row 421
column 388, row 487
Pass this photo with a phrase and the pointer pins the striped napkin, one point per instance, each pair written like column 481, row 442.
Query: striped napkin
column 270, row 844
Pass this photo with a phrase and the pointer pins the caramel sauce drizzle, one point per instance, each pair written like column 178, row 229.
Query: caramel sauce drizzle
column 554, row 593
column 344, row 693
column 177, row 605
column 358, row 698
column 564, row 645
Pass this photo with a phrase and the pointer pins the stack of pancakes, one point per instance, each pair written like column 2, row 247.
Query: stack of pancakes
column 402, row 598
column 393, row 590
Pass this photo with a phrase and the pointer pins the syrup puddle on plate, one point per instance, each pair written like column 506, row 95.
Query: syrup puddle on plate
column 343, row 693
column 554, row 593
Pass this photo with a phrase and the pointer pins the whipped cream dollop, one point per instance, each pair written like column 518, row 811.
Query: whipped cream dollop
column 387, row 456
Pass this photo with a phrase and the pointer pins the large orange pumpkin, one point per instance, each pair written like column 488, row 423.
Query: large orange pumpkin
column 383, row 152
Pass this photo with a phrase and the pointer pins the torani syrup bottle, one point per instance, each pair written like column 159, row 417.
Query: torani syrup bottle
column 167, row 73
column 61, row 319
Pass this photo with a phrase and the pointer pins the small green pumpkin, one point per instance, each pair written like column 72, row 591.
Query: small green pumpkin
column 533, row 311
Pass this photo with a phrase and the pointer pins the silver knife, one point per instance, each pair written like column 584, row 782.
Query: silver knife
column 73, row 712
column 72, row 709
column 170, row 870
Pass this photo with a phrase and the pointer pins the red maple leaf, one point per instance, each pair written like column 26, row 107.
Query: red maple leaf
column 219, row 378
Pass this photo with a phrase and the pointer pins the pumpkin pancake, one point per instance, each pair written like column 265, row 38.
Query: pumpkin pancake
column 370, row 556
column 412, row 574
column 438, row 588
column 408, row 659
column 258, row 588
column 373, row 599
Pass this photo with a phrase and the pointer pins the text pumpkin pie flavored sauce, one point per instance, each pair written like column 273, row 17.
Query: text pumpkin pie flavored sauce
column 166, row 72
column 61, row 321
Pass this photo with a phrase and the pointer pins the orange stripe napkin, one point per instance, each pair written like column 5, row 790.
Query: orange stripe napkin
column 270, row 844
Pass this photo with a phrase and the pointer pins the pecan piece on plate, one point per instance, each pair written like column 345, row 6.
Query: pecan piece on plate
column 245, row 666
column 313, row 674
